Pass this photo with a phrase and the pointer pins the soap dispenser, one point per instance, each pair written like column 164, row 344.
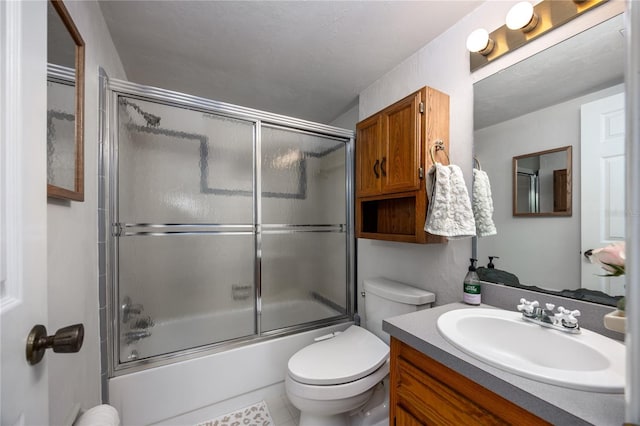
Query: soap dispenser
column 471, row 286
column 490, row 265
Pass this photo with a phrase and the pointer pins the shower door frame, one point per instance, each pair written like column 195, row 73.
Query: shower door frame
column 110, row 227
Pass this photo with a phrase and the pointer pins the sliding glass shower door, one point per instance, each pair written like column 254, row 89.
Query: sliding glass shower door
column 225, row 226
column 185, row 228
column 303, row 211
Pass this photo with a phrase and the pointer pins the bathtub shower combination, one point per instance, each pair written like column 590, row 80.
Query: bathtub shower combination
column 225, row 226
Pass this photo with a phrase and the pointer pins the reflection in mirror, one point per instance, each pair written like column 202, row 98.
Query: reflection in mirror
column 543, row 102
column 542, row 183
column 65, row 105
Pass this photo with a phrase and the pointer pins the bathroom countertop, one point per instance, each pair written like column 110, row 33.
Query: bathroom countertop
column 555, row 404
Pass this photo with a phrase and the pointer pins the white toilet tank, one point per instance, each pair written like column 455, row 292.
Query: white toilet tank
column 386, row 298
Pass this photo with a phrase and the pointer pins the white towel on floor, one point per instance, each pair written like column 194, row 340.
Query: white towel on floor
column 483, row 204
column 100, row 415
column 449, row 213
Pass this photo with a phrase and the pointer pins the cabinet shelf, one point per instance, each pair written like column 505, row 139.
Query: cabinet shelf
column 389, row 216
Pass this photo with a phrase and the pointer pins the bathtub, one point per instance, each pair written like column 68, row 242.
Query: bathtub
column 164, row 393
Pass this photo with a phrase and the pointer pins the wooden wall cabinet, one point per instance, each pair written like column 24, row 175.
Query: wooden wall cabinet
column 392, row 158
column 425, row 392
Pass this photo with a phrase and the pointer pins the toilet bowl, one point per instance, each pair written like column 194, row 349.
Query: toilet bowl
column 333, row 378
column 327, row 379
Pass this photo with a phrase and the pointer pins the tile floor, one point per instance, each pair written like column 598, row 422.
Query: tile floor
column 282, row 411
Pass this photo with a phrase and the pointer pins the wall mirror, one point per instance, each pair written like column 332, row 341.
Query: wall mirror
column 65, row 105
column 542, row 183
column 569, row 95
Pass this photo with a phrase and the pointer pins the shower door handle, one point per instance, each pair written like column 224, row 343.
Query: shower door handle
column 375, row 168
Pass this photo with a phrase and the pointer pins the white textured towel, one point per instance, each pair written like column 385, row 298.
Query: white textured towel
column 449, row 213
column 483, row 204
column 100, row 415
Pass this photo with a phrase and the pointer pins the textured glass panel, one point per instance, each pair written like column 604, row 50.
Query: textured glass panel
column 61, row 130
column 303, row 178
column 182, row 166
column 304, row 278
column 196, row 289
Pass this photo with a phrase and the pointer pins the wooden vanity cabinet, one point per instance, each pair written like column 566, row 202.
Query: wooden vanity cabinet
column 392, row 157
column 425, row 392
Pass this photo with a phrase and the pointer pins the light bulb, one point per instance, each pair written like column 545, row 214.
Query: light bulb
column 479, row 41
column 521, row 16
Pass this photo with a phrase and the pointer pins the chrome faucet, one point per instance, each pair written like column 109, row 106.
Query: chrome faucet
column 130, row 309
column 563, row 320
column 135, row 335
column 145, row 322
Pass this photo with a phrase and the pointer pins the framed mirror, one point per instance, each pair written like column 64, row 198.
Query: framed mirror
column 65, row 105
column 542, row 183
column 571, row 94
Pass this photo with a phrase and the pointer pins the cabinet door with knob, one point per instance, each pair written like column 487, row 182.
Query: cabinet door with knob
column 388, row 149
column 400, row 148
column 369, row 137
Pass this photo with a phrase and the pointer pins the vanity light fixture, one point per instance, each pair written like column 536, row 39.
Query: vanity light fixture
column 524, row 23
column 480, row 42
column 522, row 17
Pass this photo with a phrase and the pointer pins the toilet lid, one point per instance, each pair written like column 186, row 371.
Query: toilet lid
column 351, row 355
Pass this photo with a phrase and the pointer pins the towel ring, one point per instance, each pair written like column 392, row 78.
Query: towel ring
column 438, row 146
column 477, row 163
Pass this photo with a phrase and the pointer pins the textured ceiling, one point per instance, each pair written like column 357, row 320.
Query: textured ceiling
column 307, row 59
column 589, row 61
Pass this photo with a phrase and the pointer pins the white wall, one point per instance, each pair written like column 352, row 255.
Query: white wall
column 74, row 379
column 444, row 65
column 348, row 119
column 518, row 243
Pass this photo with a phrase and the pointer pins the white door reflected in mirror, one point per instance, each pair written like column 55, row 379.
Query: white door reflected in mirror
column 603, row 187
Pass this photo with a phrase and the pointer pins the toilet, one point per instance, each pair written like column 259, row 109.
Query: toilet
column 330, row 381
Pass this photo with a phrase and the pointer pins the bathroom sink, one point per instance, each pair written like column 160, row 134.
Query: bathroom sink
column 586, row 361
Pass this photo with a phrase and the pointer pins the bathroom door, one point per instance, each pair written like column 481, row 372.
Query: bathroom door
column 23, row 210
column 602, row 185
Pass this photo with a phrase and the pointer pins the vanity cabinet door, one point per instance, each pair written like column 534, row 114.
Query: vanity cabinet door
column 404, row 418
column 426, row 392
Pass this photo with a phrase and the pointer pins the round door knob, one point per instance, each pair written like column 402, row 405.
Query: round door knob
column 66, row 340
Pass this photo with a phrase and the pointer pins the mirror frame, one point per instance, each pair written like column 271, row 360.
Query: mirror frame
column 569, row 191
column 77, row 193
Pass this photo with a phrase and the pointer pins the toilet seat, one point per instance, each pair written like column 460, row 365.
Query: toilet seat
column 335, row 392
column 348, row 357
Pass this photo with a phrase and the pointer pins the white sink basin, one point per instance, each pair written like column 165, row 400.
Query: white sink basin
column 586, row 361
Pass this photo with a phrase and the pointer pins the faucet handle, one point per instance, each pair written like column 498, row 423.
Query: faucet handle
column 524, row 305
column 527, row 307
column 567, row 318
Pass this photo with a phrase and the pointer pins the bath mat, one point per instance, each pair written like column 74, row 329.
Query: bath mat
column 253, row 415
